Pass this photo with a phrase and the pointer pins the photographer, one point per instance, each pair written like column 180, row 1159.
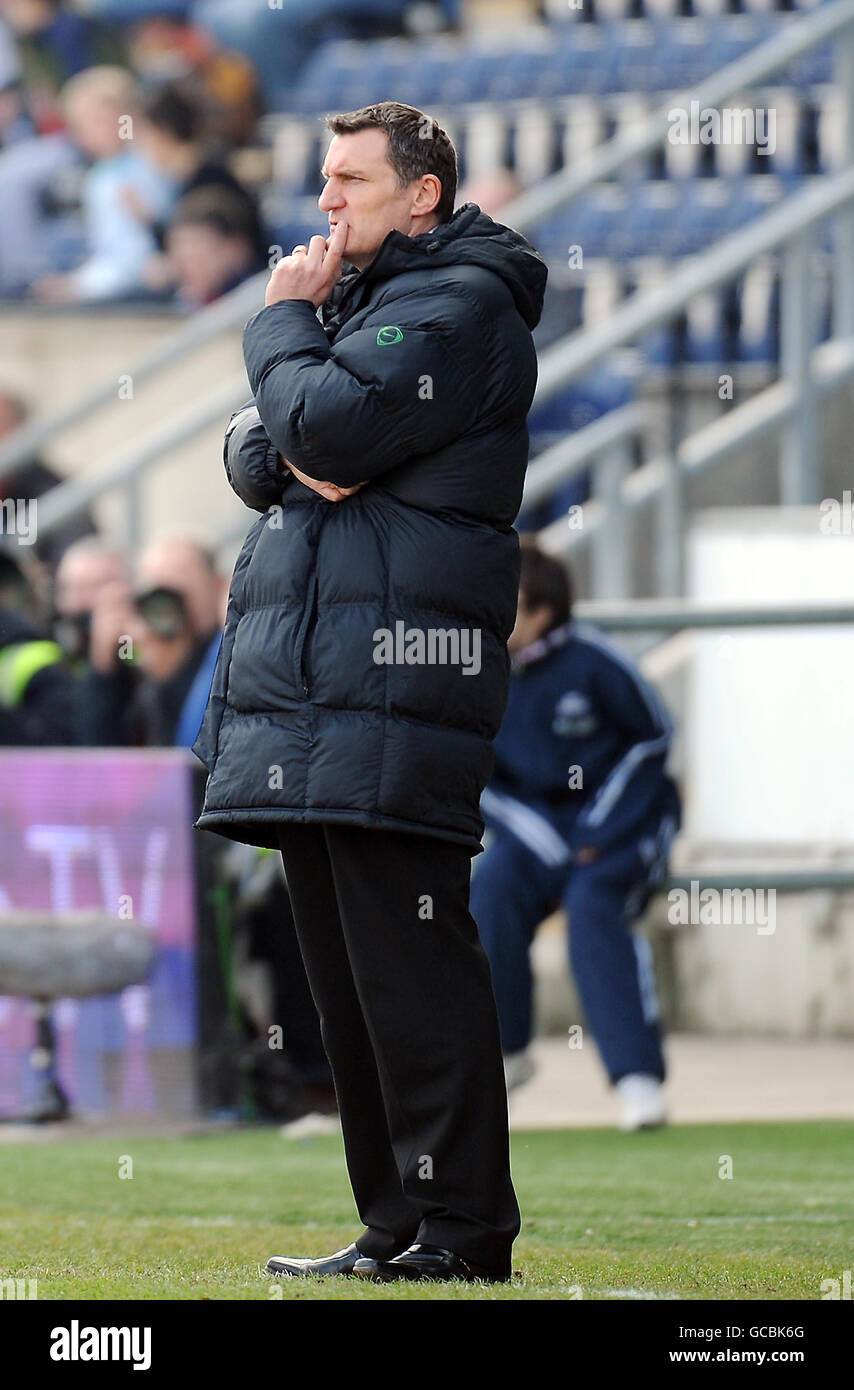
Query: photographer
column 151, row 650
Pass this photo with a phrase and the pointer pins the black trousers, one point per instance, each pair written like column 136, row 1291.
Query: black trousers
column 409, row 1022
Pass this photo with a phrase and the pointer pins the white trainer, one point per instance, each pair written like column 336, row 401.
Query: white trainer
column 642, row 1102
column 311, row 1126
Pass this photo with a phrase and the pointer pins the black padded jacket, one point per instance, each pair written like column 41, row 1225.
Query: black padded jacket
column 363, row 672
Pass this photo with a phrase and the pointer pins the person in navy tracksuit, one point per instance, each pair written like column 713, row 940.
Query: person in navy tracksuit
column 581, row 810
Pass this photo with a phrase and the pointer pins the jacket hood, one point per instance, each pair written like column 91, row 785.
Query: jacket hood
column 469, row 238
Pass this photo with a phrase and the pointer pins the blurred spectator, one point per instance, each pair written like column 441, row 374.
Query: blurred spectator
column 87, row 572
column 55, row 43
column 31, row 165
column 165, row 48
column 143, row 663
column 173, row 132
column 40, row 179
column 581, row 811
column 15, row 124
column 32, row 479
column 212, row 246
column 180, row 639
column 169, row 630
column 100, row 106
column 36, row 697
column 92, row 614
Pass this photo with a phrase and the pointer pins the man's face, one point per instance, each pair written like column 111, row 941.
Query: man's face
column 175, row 564
column 27, row 16
column 362, row 190
column 82, row 577
column 93, row 120
column 204, row 261
column 531, row 623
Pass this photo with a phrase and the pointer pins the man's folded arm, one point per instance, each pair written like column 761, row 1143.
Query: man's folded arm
column 252, row 463
column 379, row 397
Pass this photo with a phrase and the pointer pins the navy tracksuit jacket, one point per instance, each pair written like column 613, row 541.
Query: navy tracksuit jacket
column 580, row 762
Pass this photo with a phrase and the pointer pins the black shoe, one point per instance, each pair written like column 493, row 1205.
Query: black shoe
column 426, row 1262
column 342, row 1262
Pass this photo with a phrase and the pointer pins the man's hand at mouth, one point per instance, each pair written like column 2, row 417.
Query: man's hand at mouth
column 330, row 491
column 309, row 272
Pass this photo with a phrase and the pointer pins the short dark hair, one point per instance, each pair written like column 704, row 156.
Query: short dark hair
column 417, row 145
column 219, row 209
column 176, row 109
column 545, row 581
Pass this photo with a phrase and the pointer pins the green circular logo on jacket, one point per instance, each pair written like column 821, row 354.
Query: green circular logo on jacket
column 387, row 336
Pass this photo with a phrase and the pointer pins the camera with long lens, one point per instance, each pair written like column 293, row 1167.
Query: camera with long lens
column 164, row 612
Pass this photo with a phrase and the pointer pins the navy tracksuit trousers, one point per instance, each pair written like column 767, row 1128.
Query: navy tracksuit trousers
column 513, row 890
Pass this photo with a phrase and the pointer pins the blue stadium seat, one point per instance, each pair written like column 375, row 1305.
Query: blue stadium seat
column 672, row 218
column 654, row 216
column 640, row 61
column 570, row 409
column 516, row 75
column 576, row 66
column 685, row 46
column 561, row 312
column 467, row 77
column 600, row 59
column 812, row 70
column 324, row 76
column 596, row 222
column 749, row 198
column 702, row 212
column 734, row 35
column 580, row 403
column 437, row 73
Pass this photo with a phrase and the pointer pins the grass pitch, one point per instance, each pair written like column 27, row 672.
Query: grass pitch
column 605, row 1215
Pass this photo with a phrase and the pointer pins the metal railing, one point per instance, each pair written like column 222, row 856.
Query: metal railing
column 787, row 881
column 228, row 313
column 127, row 470
column 662, row 616
column 807, row 373
column 605, row 515
column 666, row 615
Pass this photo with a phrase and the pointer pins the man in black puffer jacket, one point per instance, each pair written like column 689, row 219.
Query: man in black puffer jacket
column 363, row 673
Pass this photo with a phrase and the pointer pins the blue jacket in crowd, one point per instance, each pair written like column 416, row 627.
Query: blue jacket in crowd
column 581, row 754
